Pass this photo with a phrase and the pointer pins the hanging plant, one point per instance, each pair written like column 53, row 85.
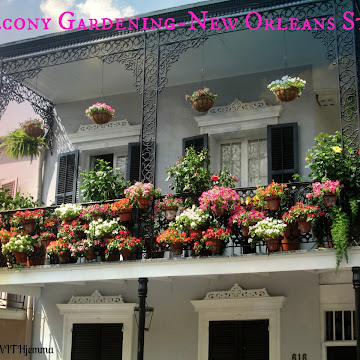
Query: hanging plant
column 100, row 113
column 201, row 100
column 18, row 145
column 287, row 88
column 34, row 127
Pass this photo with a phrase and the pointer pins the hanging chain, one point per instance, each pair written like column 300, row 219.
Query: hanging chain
column 102, row 81
column 202, row 69
column 285, row 55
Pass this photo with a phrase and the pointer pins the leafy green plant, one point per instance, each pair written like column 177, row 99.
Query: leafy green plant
column 102, row 183
column 17, row 145
column 20, row 201
column 340, row 229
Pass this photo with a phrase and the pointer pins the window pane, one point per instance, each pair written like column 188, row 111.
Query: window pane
column 347, row 325
column 257, row 162
column 338, row 325
column 329, row 326
column 121, row 165
column 231, row 159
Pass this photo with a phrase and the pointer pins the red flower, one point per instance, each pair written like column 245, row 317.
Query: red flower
column 214, row 178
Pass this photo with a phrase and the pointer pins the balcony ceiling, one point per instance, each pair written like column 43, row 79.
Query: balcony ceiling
column 226, row 55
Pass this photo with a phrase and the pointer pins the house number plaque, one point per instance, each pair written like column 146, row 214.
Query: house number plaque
column 299, row 357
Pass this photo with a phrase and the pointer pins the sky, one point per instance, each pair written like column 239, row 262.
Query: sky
column 83, row 9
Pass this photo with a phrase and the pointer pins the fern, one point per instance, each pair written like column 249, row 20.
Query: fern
column 340, row 229
column 17, row 145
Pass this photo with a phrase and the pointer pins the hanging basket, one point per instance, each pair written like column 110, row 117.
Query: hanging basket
column 101, row 118
column 202, row 103
column 33, row 131
column 273, row 203
column 287, row 94
column 170, row 212
column 125, row 215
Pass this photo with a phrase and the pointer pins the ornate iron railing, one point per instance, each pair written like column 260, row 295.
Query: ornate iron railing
column 143, row 225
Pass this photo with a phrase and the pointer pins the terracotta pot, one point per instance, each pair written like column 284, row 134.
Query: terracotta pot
column 273, row 203
column 245, row 231
column 4, row 241
column 101, row 118
column 29, row 226
column 273, row 244
column 217, row 246
column 202, row 103
column 114, row 256
column 20, row 257
column 126, row 254
column 46, row 241
column 303, row 225
column 69, row 220
column 170, row 212
column 220, row 212
column 144, row 203
column 64, row 258
column 287, row 94
column 176, row 249
column 33, row 131
column 330, row 199
column 90, row 254
column 125, row 215
column 291, row 237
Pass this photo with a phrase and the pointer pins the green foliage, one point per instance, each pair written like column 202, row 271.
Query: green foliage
column 102, row 183
column 340, row 229
column 20, row 201
column 329, row 159
column 190, row 173
column 17, row 145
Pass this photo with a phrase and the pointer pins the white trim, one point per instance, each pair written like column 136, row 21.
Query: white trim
column 246, row 308
column 99, row 313
column 99, row 137
column 238, row 117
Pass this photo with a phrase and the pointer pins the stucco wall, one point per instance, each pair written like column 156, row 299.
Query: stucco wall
column 176, row 117
column 174, row 327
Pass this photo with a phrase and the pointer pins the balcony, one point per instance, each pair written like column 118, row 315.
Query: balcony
column 297, row 251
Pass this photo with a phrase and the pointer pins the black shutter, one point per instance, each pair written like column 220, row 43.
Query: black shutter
column 230, row 340
column 67, row 178
column 283, row 160
column 97, row 342
column 197, row 142
column 133, row 170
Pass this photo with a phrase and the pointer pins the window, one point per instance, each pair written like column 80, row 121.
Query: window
column 97, row 342
column 246, row 159
column 11, row 186
column 115, row 160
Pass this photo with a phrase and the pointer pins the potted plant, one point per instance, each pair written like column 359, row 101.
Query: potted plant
column 219, row 199
column 303, row 215
column 170, row 206
column 192, row 220
column 123, row 208
column 214, row 238
column 328, row 189
column 60, row 248
column 174, row 239
column 95, row 212
column 190, row 172
column 18, row 145
column 21, row 246
column 68, row 212
column 100, row 113
column 287, row 88
column 270, row 230
column 246, row 218
column 125, row 243
column 142, row 194
column 34, row 127
column 5, row 235
column 272, row 194
column 46, row 238
column 202, row 100
column 103, row 228
column 85, row 247
column 28, row 219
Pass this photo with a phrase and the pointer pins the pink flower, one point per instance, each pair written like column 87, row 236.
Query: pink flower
column 214, row 178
